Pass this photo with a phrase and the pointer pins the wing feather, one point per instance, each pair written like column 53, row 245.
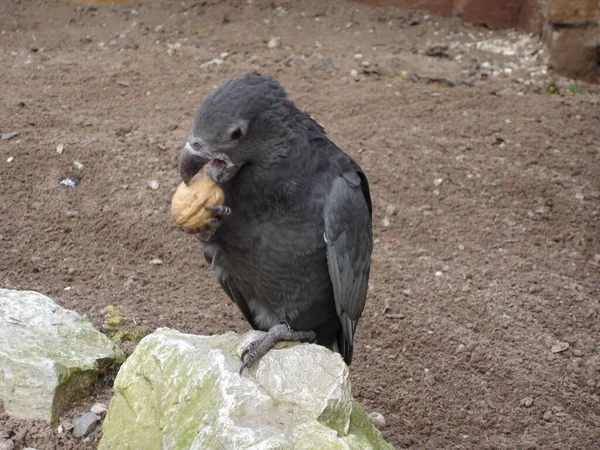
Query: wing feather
column 349, row 238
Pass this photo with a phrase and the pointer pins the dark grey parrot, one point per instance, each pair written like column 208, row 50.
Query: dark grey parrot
column 292, row 247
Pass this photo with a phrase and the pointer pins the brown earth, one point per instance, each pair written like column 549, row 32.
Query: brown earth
column 486, row 192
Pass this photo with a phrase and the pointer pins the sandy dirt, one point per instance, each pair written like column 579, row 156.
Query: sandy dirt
column 482, row 327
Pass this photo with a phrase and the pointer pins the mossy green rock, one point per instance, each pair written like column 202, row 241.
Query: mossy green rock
column 49, row 356
column 181, row 391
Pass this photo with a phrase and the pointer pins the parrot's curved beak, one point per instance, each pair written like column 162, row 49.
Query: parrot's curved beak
column 190, row 162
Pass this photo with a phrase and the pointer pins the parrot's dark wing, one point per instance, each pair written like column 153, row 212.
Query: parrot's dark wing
column 228, row 286
column 349, row 238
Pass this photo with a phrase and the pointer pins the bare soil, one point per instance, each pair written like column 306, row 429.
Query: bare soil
column 486, row 190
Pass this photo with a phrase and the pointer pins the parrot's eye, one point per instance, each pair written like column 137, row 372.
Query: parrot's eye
column 236, row 134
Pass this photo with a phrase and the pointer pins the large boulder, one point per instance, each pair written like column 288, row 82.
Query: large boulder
column 181, row 391
column 49, row 356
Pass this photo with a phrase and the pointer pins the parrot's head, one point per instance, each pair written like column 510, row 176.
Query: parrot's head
column 245, row 121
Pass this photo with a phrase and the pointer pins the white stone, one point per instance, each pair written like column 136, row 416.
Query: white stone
column 183, row 391
column 99, row 409
column 49, row 356
column 378, row 419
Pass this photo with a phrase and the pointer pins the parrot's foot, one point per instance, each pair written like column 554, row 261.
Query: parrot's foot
column 280, row 332
column 208, row 229
column 220, row 210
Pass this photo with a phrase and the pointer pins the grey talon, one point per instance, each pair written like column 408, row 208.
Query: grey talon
column 220, row 210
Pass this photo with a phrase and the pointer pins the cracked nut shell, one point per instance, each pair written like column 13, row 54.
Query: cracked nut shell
column 188, row 204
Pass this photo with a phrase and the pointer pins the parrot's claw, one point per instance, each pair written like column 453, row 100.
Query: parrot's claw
column 207, row 231
column 220, row 210
column 280, row 332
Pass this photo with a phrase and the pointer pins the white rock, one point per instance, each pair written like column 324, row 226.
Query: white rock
column 99, row 409
column 559, row 347
column 48, row 355
column 183, row 391
column 154, row 185
column 212, row 62
column 378, row 419
column 7, row 444
column 274, row 42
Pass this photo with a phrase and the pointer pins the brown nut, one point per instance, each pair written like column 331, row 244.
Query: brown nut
column 188, row 204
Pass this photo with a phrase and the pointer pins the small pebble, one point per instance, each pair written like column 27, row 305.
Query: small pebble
column 527, row 402
column 130, row 283
column 385, row 222
column 274, row 42
column 99, row 408
column 560, row 347
column 7, row 445
column 438, row 274
column 353, row 73
column 390, row 210
column 84, row 424
column 71, row 181
column 154, row 185
column 377, row 419
column 159, row 29
column 8, row 136
column 407, row 292
column 78, row 165
column 437, row 181
column 10, row 159
column 156, row 262
column 358, row 56
column 547, row 416
column 72, row 214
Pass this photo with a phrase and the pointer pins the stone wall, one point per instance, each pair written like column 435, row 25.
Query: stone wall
column 570, row 28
